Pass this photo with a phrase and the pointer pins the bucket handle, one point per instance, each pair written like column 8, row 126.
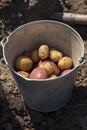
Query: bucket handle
column 81, row 60
column 4, row 41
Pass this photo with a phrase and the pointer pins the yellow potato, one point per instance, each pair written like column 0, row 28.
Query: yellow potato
column 55, row 55
column 65, row 63
column 24, row 74
column 52, row 76
column 34, row 56
column 23, row 63
column 43, row 52
column 47, row 66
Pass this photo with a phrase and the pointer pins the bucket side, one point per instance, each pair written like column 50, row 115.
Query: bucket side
column 47, row 95
column 34, row 34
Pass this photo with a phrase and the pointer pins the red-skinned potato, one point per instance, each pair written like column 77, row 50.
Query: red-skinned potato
column 66, row 71
column 40, row 61
column 38, row 73
column 27, row 53
column 56, row 69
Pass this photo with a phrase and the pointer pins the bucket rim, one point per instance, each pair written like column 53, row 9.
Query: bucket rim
column 37, row 22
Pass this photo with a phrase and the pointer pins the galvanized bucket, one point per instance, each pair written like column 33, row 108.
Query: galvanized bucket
column 50, row 94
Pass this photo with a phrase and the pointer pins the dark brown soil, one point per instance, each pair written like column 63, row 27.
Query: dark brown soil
column 14, row 114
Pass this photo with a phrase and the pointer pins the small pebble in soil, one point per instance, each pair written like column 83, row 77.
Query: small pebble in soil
column 20, row 120
column 26, row 118
column 2, row 77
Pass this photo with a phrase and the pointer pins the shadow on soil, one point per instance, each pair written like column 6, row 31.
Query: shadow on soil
column 7, row 118
column 81, row 29
column 16, row 13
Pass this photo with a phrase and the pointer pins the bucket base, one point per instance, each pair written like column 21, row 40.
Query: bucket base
column 49, row 110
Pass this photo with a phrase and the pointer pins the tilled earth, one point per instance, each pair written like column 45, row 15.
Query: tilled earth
column 14, row 113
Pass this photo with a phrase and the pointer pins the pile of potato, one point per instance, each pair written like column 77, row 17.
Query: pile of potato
column 43, row 63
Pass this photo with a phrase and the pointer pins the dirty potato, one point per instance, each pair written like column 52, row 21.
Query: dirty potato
column 24, row 74
column 55, row 55
column 43, row 52
column 34, row 56
column 52, row 76
column 47, row 66
column 65, row 63
column 23, row 63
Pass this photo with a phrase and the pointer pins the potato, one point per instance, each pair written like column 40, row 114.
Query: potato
column 40, row 61
column 52, row 76
column 38, row 73
column 23, row 63
column 34, row 56
column 55, row 55
column 24, row 74
column 56, row 68
column 65, row 63
column 43, row 52
column 47, row 66
column 66, row 71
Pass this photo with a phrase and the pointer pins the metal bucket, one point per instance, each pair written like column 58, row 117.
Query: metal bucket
column 50, row 94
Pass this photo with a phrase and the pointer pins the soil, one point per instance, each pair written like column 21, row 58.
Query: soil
column 14, row 113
